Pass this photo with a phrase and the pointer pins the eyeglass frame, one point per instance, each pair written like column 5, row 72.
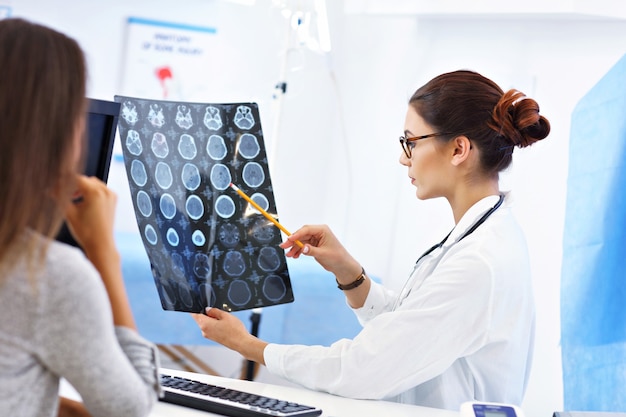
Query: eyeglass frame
column 404, row 141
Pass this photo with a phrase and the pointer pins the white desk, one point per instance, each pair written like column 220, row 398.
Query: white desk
column 331, row 405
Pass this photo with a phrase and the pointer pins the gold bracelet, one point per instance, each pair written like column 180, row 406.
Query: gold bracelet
column 358, row 281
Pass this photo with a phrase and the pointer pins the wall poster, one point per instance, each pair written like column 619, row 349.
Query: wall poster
column 170, row 61
column 207, row 246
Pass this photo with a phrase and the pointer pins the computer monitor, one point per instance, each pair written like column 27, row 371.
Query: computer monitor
column 102, row 120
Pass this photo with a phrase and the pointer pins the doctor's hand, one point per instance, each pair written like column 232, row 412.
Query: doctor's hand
column 227, row 330
column 320, row 242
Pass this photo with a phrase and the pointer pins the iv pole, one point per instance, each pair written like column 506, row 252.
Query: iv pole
column 293, row 25
column 280, row 89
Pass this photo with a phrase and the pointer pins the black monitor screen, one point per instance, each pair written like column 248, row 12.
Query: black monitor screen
column 101, row 127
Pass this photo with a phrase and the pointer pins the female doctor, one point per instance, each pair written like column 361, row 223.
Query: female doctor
column 462, row 327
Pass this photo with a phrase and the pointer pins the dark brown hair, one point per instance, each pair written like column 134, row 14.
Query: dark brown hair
column 466, row 103
column 42, row 104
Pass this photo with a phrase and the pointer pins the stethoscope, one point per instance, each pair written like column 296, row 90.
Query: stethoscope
column 406, row 289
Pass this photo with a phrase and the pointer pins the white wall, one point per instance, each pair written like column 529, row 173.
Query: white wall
column 337, row 157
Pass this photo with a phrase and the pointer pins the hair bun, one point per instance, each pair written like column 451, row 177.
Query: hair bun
column 516, row 118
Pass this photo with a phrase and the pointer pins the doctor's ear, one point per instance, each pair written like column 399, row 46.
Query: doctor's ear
column 461, row 147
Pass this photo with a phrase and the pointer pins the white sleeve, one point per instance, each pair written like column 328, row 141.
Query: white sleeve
column 398, row 350
column 379, row 300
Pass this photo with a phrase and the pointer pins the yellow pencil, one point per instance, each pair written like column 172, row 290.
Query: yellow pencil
column 263, row 212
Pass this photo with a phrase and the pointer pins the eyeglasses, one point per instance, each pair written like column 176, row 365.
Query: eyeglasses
column 404, row 142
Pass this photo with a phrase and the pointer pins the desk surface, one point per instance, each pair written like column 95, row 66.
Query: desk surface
column 331, row 405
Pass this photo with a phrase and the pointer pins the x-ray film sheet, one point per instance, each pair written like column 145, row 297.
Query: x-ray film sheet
column 206, row 245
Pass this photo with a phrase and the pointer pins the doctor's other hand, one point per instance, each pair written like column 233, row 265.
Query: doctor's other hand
column 227, row 330
column 321, row 243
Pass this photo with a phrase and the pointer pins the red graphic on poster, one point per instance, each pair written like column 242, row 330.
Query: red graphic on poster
column 164, row 74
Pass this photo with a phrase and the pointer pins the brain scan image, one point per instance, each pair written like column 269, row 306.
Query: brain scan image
column 261, row 200
column 172, row 237
column 187, row 146
column 220, row 176
column 194, row 207
column 175, row 294
column 268, row 259
column 225, row 206
column 198, row 238
column 150, row 234
column 263, row 231
column 253, row 174
column 133, row 143
column 185, row 295
column 212, row 118
column 144, row 204
column 201, row 266
column 190, row 177
column 244, row 118
column 229, row 235
column 239, row 292
column 167, row 204
column 183, row 117
column 274, row 288
column 159, row 145
column 178, row 265
column 138, row 173
column 128, row 113
column 216, row 148
column 207, row 246
column 168, row 294
column 163, row 175
column 234, row 263
column 248, row 146
column 155, row 115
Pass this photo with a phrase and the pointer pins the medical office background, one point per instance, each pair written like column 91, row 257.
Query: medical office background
column 332, row 133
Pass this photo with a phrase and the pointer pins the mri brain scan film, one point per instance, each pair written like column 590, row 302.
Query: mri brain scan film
column 205, row 245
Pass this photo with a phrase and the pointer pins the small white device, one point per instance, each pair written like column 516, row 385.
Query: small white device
column 485, row 409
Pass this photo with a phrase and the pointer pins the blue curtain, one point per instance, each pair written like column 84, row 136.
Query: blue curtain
column 593, row 281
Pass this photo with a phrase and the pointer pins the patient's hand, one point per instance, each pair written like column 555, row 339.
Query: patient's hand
column 91, row 217
column 71, row 408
